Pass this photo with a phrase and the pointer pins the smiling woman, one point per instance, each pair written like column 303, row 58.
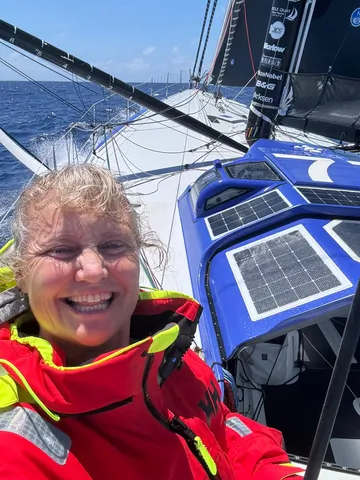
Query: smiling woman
column 85, row 263
column 108, row 363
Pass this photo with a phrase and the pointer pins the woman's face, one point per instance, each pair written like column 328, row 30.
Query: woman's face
column 82, row 275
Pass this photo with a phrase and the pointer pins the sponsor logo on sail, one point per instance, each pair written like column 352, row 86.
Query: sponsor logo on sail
column 271, row 61
column 274, row 48
column 277, row 30
column 279, row 11
column 263, row 98
column 292, row 15
column 355, row 18
column 265, row 85
column 270, row 76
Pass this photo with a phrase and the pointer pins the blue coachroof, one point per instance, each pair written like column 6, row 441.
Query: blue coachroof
column 272, row 241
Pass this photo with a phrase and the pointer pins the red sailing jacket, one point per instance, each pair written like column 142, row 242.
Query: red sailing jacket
column 141, row 412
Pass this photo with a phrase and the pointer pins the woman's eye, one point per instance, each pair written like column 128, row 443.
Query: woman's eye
column 114, row 247
column 61, row 252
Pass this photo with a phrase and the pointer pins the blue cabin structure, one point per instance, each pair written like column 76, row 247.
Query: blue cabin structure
column 273, row 243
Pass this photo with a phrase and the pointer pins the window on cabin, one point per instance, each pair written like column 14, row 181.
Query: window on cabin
column 252, row 171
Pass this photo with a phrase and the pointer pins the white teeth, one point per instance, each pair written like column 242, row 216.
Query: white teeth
column 98, row 297
column 90, row 308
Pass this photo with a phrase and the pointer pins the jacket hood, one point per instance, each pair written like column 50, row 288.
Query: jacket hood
column 163, row 326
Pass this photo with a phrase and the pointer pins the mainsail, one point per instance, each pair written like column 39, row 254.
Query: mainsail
column 325, row 93
column 241, row 41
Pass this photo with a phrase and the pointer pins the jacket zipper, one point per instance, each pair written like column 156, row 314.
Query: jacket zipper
column 175, row 425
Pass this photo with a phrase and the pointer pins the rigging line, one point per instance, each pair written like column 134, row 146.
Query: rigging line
column 150, row 149
column 160, row 122
column 139, row 194
column 127, row 160
column 151, row 177
column 42, row 87
column 174, row 213
column 115, row 155
column 178, row 130
column 207, row 37
column 243, row 88
column 201, row 35
column 46, row 66
column 177, row 105
column 74, row 126
column 151, row 115
column 107, row 109
column 326, row 361
column 248, row 39
column 148, row 271
column 12, row 206
column 216, row 147
column 172, row 221
column 341, row 45
column 75, row 82
column 154, row 122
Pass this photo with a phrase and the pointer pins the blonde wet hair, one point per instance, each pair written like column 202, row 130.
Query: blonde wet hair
column 83, row 188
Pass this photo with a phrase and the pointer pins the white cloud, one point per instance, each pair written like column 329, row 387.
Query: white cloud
column 148, row 50
column 136, row 65
column 176, row 57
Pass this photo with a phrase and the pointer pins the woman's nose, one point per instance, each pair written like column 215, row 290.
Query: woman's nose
column 91, row 267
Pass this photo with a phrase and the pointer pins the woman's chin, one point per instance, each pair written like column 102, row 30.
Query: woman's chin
column 92, row 339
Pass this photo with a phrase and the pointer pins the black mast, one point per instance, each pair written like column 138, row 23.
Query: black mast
column 282, row 32
column 11, row 34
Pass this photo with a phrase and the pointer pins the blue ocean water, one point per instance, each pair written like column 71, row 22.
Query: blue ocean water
column 39, row 115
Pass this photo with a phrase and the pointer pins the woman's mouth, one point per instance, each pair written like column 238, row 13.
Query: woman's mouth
column 90, row 302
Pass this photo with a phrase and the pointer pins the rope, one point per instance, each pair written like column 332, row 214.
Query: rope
column 201, row 35
column 232, row 400
column 207, row 38
column 248, row 39
column 42, row 87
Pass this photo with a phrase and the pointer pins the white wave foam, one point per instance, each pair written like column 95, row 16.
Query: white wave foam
column 65, row 150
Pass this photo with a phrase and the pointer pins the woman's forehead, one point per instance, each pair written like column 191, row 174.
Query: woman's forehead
column 54, row 221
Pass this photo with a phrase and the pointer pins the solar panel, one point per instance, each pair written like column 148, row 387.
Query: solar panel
column 331, row 196
column 347, row 234
column 247, row 212
column 283, row 271
column 252, row 171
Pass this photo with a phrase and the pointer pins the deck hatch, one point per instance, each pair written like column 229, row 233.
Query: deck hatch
column 331, row 196
column 245, row 213
column 283, row 271
column 253, row 171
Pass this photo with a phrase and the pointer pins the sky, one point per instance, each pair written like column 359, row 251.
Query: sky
column 135, row 40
